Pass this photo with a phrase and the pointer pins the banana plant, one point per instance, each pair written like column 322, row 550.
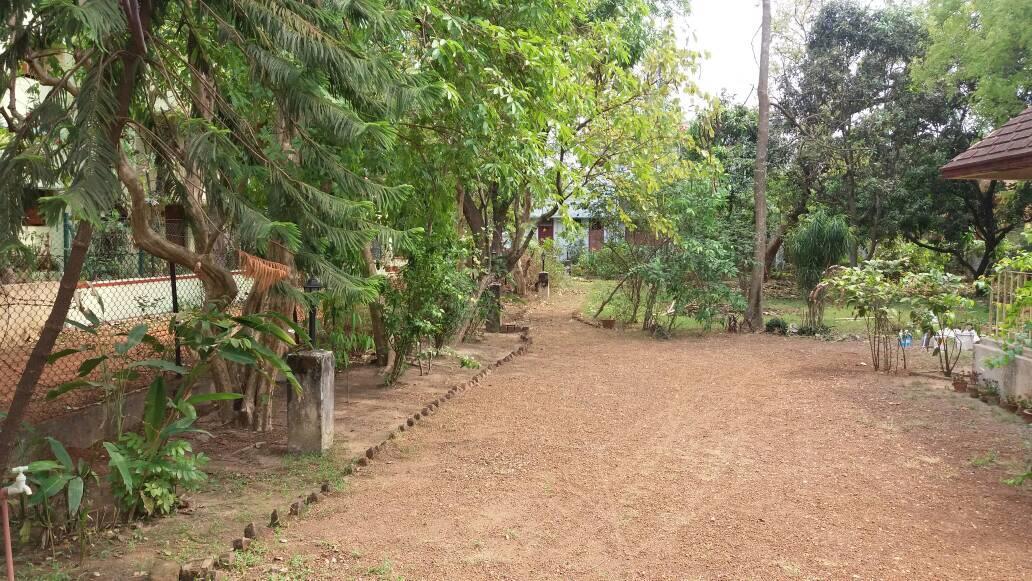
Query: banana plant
column 51, row 481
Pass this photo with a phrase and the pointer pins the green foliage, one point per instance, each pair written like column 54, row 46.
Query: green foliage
column 113, row 372
column 1016, row 327
column 820, row 241
column 608, row 263
column 872, row 290
column 147, row 479
column 937, row 301
column 776, row 325
column 427, row 303
column 60, row 499
column 977, row 44
column 468, row 362
column 346, row 332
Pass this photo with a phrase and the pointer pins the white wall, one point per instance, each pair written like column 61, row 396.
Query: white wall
column 136, row 297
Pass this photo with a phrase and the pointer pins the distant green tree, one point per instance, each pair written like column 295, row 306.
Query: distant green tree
column 820, row 241
column 986, row 44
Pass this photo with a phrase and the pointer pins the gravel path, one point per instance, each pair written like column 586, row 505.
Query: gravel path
column 605, row 455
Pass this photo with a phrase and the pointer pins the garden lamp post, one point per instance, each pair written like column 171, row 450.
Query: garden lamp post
column 312, row 285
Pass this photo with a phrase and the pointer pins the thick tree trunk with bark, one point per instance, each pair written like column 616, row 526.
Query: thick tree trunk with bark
column 754, row 311
column 469, row 315
column 37, row 362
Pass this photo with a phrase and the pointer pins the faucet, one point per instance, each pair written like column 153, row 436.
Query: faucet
column 19, row 486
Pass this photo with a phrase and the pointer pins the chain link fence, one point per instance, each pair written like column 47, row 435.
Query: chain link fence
column 120, row 284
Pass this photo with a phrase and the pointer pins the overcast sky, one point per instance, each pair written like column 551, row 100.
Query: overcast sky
column 728, row 31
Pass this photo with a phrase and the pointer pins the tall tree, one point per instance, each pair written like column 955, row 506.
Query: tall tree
column 984, row 44
column 252, row 110
column 754, row 309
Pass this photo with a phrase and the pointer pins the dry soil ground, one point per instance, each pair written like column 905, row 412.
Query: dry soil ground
column 606, row 455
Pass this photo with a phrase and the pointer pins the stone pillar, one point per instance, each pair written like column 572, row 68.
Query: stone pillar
column 494, row 319
column 542, row 285
column 310, row 413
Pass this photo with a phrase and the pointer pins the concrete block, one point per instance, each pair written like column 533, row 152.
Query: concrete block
column 310, row 413
column 1015, row 379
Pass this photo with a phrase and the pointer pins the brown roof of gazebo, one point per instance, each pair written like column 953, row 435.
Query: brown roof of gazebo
column 1004, row 154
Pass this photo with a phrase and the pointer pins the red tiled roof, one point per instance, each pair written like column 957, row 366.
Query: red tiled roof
column 1004, row 154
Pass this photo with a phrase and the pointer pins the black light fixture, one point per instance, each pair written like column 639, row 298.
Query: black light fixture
column 312, row 285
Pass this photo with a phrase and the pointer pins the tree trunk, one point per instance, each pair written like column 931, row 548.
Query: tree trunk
column 37, row 362
column 610, row 297
column 258, row 382
column 376, row 313
column 754, row 311
column 468, row 316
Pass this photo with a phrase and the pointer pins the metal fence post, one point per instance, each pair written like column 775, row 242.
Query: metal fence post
column 66, row 238
column 175, row 311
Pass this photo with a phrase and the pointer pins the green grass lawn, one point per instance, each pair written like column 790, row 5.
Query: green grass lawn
column 793, row 310
column 840, row 317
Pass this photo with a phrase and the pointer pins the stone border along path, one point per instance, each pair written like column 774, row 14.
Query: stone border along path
column 202, row 569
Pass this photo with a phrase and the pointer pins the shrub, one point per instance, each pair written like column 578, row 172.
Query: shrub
column 428, row 303
column 149, row 468
column 606, row 263
column 776, row 325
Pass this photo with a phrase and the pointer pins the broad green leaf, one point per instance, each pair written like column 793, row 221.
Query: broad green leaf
column 57, row 355
column 120, row 463
column 161, row 364
column 43, row 466
column 208, row 397
column 133, row 339
column 61, row 454
column 87, row 366
column 53, row 484
column 237, row 356
column 81, row 326
column 69, row 386
column 76, row 486
column 154, row 408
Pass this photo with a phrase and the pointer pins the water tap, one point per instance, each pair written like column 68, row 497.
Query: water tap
column 19, row 486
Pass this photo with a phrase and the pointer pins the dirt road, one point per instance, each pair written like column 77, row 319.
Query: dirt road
column 604, row 455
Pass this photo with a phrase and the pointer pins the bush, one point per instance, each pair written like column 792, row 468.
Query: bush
column 776, row 325
column 147, row 479
column 605, row 263
column 428, row 303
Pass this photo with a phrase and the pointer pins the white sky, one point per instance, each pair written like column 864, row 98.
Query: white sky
column 729, row 31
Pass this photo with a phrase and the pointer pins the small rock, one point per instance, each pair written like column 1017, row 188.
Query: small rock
column 197, row 569
column 165, row 571
column 226, row 559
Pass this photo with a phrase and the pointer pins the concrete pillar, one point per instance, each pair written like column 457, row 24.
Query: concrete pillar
column 310, row 413
column 494, row 319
